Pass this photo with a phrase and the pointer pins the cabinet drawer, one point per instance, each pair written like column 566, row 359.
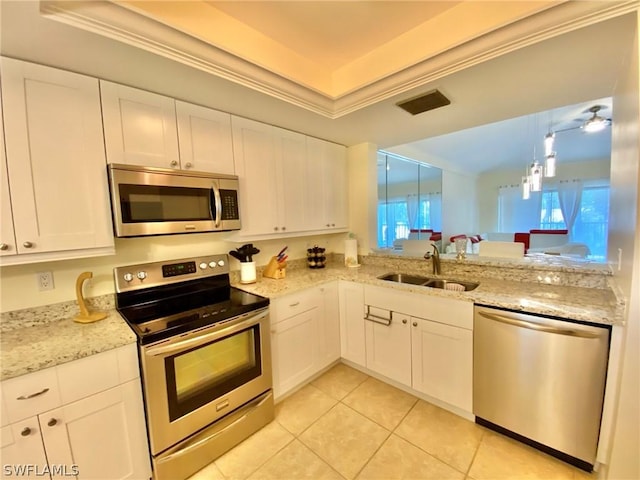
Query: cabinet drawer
column 295, row 303
column 456, row 313
column 30, row 394
column 89, row 375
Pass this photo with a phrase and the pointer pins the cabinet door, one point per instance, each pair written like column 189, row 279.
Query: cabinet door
column 294, row 351
column 139, row 127
column 292, row 180
column 442, row 364
column 204, row 138
column 327, row 196
column 389, row 346
column 104, row 435
column 55, row 159
column 21, row 449
column 256, row 168
column 329, row 326
column 352, row 336
column 335, row 186
column 7, row 236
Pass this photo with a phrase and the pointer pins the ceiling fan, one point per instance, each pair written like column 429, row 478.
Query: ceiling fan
column 595, row 123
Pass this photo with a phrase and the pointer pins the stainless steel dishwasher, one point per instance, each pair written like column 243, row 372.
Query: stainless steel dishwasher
column 541, row 381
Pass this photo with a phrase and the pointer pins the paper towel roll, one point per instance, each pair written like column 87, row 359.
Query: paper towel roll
column 351, row 252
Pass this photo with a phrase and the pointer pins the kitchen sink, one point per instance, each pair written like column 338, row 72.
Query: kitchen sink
column 442, row 283
column 404, row 278
column 451, row 284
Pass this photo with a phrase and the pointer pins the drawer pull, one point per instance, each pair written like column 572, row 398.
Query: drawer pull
column 294, row 304
column 37, row 394
column 26, row 431
column 52, row 422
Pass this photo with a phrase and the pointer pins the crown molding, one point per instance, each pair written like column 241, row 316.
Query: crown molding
column 121, row 24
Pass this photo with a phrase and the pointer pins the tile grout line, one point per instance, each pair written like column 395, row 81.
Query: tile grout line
column 475, row 454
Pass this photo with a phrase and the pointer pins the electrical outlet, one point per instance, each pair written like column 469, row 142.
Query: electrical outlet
column 45, row 281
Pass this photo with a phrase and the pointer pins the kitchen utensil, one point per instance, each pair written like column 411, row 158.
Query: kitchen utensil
column 85, row 316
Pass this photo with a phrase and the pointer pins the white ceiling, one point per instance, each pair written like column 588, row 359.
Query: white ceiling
column 568, row 69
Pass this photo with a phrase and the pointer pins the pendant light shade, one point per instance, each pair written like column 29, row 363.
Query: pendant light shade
column 536, row 177
column 548, row 143
column 526, row 190
column 550, row 165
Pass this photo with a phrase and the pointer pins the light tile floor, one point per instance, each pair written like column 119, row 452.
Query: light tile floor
column 347, row 425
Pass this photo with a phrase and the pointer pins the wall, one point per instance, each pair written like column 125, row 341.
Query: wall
column 624, row 233
column 458, row 205
column 18, row 286
column 363, row 194
column 489, row 182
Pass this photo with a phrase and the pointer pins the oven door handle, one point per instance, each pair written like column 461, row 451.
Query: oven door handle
column 172, row 347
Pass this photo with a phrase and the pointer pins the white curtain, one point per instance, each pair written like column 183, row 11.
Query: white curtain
column 516, row 214
column 435, row 211
column 413, row 204
column 569, row 197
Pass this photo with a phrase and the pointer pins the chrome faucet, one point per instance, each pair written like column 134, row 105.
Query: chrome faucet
column 435, row 259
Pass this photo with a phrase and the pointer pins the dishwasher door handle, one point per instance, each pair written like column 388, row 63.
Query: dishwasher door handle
column 541, row 327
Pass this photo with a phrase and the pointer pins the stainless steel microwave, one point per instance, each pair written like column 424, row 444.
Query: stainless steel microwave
column 159, row 201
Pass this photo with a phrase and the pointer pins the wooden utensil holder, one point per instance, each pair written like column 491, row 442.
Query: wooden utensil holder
column 274, row 269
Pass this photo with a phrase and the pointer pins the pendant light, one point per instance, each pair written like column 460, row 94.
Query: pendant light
column 526, row 188
column 548, row 143
column 536, row 176
column 550, row 165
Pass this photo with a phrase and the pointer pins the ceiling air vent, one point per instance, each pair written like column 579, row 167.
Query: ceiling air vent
column 429, row 101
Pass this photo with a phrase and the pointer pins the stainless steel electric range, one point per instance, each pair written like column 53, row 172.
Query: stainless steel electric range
column 205, row 359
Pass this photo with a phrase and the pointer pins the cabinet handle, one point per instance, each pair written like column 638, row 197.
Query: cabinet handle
column 27, row 244
column 174, row 163
column 415, row 324
column 294, row 304
column 37, row 394
column 4, row 246
column 188, row 165
column 26, row 431
column 52, row 422
column 275, row 228
column 328, row 225
column 284, row 228
column 404, row 320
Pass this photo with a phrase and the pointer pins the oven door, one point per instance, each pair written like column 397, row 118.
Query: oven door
column 194, row 379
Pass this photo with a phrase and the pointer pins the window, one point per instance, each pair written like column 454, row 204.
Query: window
column 591, row 224
column 393, row 220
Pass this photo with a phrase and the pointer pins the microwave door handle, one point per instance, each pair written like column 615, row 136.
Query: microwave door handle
column 218, row 205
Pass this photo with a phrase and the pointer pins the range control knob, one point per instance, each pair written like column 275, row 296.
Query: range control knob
column 221, row 263
column 213, row 264
column 203, row 266
column 142, row 275
column 128, row 277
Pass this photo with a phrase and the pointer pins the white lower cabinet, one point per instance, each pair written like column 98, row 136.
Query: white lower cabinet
column 22, row 446
column 93, row 432
column 352, row 332
column 304, row 336
column 432, row 353
column 442, row 358
column 388, row 345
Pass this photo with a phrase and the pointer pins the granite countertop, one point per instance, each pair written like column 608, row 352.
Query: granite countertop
column 596, row 305
column 37, row 346
column 42, row 337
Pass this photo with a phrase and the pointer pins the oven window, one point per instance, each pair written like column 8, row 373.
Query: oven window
column 151, row 203
column 207, row 372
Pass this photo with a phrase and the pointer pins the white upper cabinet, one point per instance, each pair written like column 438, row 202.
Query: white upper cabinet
column 139, row 127
column 328, row 193
column 271, row 165
column 255, row 160
column 55, row 161
column 7, row 236
column 144, row 128
column 204, row 137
